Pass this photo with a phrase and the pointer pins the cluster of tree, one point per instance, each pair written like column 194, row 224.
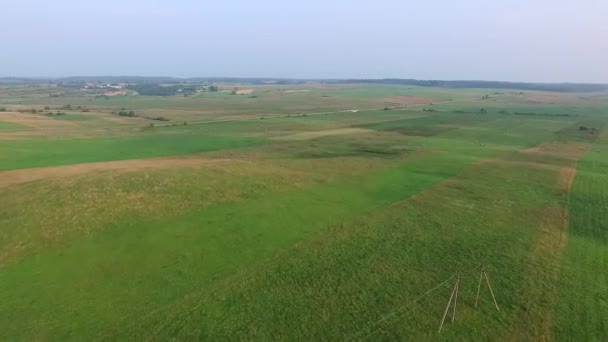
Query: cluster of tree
column 590, row 129
column 155, row 81
column 559, row 87
column 158, row 118
column 33, row 110
column 2, row 109
column 124, row 112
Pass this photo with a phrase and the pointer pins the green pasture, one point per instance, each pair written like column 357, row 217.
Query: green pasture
column 10, row 126
column 38, row 153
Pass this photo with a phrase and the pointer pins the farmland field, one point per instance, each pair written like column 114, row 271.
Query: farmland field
column 303, row 212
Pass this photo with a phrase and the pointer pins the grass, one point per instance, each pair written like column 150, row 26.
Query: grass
column 74, row 117
column 290, row 230
column 39, row 153
column 11, row 126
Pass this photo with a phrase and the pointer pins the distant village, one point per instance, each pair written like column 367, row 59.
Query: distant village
column 100, row 85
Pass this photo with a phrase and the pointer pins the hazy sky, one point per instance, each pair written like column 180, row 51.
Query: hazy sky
column 513, row 40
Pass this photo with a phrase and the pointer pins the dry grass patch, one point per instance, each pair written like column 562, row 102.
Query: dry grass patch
column 296, row 91
column 13, row 177
column 541, row 98
column 567, row 150
column 318, row 134
column 78, row 200
column 35, row 121
column 542, row 274
column 406, row 100
column 243, row 91
column 565, row 178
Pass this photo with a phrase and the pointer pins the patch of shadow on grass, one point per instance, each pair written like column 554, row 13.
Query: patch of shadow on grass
column 354, row 150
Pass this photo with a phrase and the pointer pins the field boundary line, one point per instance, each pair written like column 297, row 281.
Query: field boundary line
column 281, row 116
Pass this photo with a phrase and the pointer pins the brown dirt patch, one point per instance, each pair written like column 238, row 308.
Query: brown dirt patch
column 13, row 177
column 406, row 100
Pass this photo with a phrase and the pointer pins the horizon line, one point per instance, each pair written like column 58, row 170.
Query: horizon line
column 295, row 79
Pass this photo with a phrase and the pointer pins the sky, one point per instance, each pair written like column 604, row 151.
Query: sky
column 508, row 40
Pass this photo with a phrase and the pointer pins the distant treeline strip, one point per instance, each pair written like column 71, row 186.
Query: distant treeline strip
column 558, row 87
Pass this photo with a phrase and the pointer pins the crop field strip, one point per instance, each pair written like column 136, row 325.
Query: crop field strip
column 330, row 226
column 583, row 292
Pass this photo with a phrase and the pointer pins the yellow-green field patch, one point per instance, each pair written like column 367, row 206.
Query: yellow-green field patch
column 318, row 134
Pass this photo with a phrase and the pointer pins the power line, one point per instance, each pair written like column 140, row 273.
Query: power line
column 398, row 311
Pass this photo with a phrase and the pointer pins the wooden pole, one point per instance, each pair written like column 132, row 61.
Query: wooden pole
column 491, row 292
column 445, row 313
column 456, row 297
column 479, row 286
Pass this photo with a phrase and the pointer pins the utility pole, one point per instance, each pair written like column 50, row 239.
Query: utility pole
column 483, row 274
column 453, row 296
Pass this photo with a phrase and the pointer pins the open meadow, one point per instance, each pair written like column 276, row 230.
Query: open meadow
column 304, row 212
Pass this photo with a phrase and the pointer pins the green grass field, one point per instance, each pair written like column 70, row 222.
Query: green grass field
column 37, row 153
column 310, row 224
